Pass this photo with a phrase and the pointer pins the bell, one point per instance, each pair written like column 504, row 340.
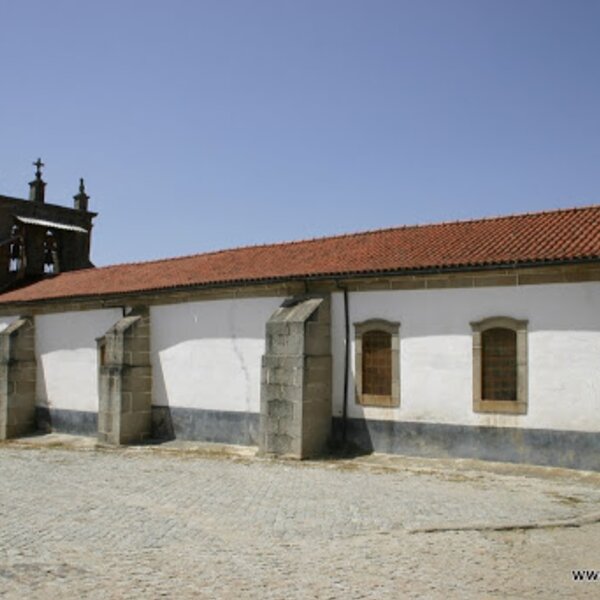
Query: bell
column 15, row 251
column 48, row 257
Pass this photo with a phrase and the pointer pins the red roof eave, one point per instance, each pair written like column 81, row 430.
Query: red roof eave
column 562, row 236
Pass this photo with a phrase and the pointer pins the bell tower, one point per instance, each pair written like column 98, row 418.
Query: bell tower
column 40, row 240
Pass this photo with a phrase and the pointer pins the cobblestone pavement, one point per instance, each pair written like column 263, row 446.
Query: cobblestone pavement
column 142, row 524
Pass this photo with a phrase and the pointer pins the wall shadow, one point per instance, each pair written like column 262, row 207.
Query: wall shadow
column 162, row 425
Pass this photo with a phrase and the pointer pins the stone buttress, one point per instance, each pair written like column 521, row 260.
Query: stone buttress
column 295, row 405
column 17, row 379
column 125, row 381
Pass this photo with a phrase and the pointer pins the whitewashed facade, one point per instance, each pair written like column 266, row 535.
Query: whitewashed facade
column 205, row 358
column 436, row 369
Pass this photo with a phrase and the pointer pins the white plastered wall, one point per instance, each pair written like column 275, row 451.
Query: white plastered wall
column 67, row 357
column 436, row 353
column 207, row 355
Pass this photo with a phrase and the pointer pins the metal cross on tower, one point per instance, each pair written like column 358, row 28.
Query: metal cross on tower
column 38, row 164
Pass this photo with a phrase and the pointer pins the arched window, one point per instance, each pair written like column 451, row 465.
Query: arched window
column 377, row 363
column 500, row 365
column 15, row 250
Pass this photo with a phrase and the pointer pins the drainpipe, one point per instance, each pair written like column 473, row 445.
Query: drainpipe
column 346, row 364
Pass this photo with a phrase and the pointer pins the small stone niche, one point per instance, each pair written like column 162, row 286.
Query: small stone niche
column 125, row 381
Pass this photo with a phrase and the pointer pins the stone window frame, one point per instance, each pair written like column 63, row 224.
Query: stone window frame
column 513, row 407
column 393, row 328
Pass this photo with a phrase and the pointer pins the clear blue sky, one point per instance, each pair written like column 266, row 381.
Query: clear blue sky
column 203, row 124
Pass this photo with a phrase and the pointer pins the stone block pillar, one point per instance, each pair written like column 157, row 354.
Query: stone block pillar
column 295, row 405
column 124, row 413
column 17, row 379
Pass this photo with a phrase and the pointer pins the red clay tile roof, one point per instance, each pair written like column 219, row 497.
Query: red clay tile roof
column 561, row 235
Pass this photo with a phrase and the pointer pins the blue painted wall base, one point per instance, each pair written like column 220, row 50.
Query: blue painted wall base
column 75, row 422
column 569, row 449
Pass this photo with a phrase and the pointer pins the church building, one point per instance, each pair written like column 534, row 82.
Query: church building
column 475, row 339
